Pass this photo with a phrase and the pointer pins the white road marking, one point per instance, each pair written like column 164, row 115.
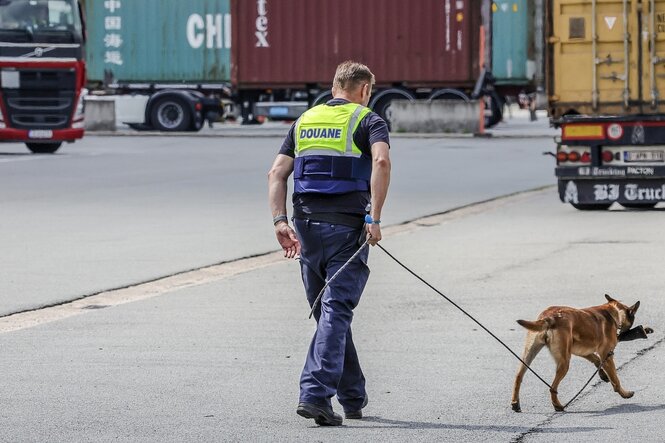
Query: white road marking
column 22, row 158
column 209, row 274
column 138, row 292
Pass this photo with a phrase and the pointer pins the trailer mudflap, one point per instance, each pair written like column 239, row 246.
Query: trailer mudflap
column 609, row 190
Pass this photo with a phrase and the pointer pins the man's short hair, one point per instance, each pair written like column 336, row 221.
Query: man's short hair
column 349, row 75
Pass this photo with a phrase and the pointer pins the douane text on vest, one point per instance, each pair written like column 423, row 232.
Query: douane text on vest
column 320, row 133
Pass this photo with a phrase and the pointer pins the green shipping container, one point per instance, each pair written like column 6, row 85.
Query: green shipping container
column 158, row 41
column 513, row 37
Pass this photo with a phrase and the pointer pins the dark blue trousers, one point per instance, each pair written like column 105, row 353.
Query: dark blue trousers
column 332, row 365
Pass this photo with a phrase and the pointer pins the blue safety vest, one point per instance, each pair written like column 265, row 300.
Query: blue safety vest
column 327, row 160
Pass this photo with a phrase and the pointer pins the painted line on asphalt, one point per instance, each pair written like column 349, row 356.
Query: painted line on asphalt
column 137, row 292
column 208, row 274
column 4, row 158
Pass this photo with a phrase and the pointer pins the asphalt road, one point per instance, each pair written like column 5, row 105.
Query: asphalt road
column 220, row 361
column 108, row 212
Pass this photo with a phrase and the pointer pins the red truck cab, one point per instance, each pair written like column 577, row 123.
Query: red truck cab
column 42, row 73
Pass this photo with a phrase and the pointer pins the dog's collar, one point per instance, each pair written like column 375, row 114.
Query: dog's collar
column 617, row 323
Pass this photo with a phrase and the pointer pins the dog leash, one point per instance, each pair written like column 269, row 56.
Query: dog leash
column 464, row 312
column 490, row 332
column 611, row 353
column 330, row 280
column 368, row 219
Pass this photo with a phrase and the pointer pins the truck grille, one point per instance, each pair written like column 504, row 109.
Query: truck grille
column 44, row 99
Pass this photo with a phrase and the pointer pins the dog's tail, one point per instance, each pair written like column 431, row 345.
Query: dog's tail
column 537, row 326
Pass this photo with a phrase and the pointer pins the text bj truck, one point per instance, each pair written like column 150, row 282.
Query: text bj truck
column 606, row 88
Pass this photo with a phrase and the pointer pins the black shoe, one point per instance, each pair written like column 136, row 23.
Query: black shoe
column 357, row 415
column 323, row 416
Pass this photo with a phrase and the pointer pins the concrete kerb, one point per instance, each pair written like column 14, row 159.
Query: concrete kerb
column 438, row 116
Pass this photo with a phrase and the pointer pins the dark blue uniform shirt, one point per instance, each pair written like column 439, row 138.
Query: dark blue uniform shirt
column 346, row 209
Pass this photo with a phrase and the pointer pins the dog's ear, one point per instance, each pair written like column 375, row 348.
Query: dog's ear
column 609, row 299
column 633, row 309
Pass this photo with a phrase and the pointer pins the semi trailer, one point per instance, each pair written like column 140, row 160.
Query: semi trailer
column 605, row 80
column 203, row 59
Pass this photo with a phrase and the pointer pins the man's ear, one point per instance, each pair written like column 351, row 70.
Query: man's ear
column 366, row 89
column 633, row 309
column 609, row 299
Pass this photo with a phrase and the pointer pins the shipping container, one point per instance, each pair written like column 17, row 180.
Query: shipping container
column 514, row 41
column 158, row 41
column 605, row 79
column 300, row 42
column 275, row 58
column 606, row 57
column 518, row 48
column 417, row 49
column 295, row 43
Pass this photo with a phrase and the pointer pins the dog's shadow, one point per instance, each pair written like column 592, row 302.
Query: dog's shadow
column 622, row 409
column 384, row 423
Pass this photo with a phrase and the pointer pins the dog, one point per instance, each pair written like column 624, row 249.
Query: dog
column 590, row 333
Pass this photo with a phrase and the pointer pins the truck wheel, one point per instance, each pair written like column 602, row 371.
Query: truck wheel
column 171, row 114
column 591, row 206
column 322, row 98
column 643, row 205
column 494, row 104
column 383, row 101
column 448, row 94
column 43, row 148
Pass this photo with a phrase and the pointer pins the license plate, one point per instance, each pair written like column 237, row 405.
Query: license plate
column 643, row 156
column 40, row 134
column 279, row 111
column 10, row 79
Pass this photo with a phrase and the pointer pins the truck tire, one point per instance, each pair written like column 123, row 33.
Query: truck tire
column 322, row 98
column 591, row 206
column 383, row 100
column 448, row 94
column 43, row 148
column 171, row 114
column 494, row 104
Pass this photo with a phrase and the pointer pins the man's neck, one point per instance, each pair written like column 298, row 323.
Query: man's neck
column 345, row 97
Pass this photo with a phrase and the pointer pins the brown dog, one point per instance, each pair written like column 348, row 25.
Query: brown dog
column 590, row 333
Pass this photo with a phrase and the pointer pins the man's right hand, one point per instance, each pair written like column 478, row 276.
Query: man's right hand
column 374, row 230
column 287, row 239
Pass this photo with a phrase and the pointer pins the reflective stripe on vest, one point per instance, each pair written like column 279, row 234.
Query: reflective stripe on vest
column 327, row 158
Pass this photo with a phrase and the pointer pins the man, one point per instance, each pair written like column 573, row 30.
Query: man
column 339, row 153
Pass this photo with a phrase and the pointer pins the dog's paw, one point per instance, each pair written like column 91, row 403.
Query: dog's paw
column 558, row 408
column 627, row 394
column 648, row 330
column 516, row 406
column 603, row 376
